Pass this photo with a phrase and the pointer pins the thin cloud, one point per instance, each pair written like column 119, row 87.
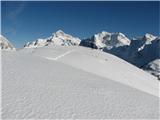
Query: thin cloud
column 12, row 15
column 11, row 31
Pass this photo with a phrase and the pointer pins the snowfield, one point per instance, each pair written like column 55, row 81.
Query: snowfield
column 75, row 82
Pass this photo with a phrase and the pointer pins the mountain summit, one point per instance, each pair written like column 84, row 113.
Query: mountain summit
column 106, row 40
column 149, row 37
column 57, row 38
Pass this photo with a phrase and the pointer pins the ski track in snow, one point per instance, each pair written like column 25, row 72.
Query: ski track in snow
column 59, row 56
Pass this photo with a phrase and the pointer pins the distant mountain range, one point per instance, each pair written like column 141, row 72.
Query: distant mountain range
column 142, row 52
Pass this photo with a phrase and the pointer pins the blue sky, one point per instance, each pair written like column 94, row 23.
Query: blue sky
column 27, row 21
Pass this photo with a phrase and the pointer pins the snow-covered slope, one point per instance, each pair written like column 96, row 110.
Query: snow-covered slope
column 58, row 38
column 106, row 40
column 75, row 82
column 5, row 44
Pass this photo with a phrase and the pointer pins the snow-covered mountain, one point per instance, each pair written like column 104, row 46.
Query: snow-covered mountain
column 140, row 51
column 5, row 44
column 57, row 38
column 106, row 40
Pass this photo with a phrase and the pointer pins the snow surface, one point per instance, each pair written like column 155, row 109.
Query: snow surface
column 75, row 82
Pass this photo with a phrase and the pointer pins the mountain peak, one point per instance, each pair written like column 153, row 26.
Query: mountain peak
column 149, row 37
column 106, row 40
column 59, row 32
column 119, row 33
column 57, row 38
column 104, row 32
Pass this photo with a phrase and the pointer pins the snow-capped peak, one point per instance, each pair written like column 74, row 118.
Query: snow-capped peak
column 149, row 37
column 141, row 42
column 121, row 38
column 5, row 44
column 57, row 38
column 58, row 33
column 106, row 40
